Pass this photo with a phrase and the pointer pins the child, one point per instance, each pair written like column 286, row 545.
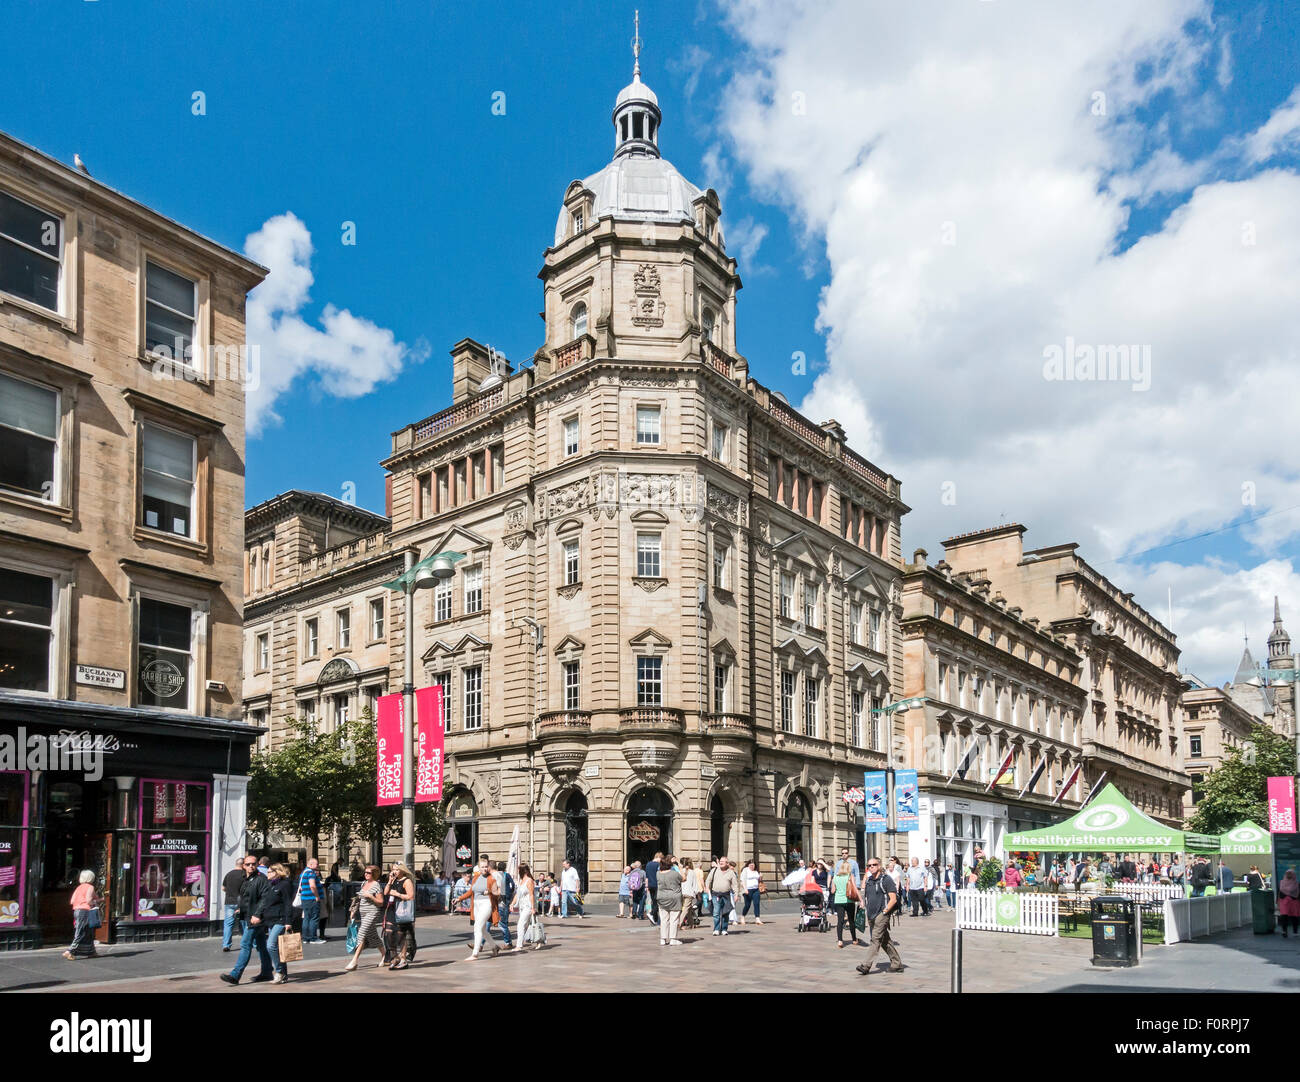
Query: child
column 555, row 897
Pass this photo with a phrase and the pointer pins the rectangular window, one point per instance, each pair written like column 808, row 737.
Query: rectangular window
column 787, row 702
column 167, row 480
column 443, row 680
column 943, row 680
column 719, row 442
column 572, row 567
column 344, row 628
column 479, row 488
column 473, row 590
column 855, row 623
column 372, row 699
column 811, row 691
column 442, row 601
column 442, row 488
column 1194, row 746
column 647, row 425
column 878, row 722
column 172, row 880
column 474, row 698
column 263, row 652
column 649, row 681
column 29, row 428
column 342, row 708
column 570, row 436
column 572, row 685
column 498, row 467
column 426, row 496
column 26, row 630
column 720, row 689
column 31, row 252
column 377, row 619
column 787, row 596
column 810, row 598
column 647, row 555
column 309, row 713
column 873, row 637
column 311, row 634
column 459, row 468
column 166, row 657
column 855, row 715
column 719, row 565
column 169, row 312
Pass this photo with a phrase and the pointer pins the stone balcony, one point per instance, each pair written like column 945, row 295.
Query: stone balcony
column 730, row 741
column 564, row 735
column 651, row 738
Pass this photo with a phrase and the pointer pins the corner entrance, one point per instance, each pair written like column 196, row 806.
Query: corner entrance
column 649, row 825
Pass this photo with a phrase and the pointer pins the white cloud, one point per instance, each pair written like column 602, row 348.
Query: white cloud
column 1279, row 134
column 744, row 238
column 968, row 169
column 347, row 355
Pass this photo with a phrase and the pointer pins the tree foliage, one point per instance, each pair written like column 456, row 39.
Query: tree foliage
column 1238, row 789
column 316, row 783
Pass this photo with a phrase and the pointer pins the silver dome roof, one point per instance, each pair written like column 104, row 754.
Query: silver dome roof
column 637, row 189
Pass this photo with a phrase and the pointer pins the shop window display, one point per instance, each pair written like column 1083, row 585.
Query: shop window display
column 13, row 846
column 173, row 850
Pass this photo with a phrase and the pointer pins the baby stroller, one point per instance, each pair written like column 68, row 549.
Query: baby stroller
column 812, row 912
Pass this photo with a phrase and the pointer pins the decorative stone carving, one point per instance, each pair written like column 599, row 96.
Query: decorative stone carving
column 647, row 311
column 646, row 280
column 493, row 782
column 513, row 541
column 663, row 382
column 650, row 585
column 568, row 499
column 648, row 489
column 570, row 592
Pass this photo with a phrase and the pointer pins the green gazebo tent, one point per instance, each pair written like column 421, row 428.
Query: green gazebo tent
column 1246, row 840
column 1110, row 824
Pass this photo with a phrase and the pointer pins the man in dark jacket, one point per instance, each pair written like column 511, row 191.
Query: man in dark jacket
column 230, row 885
column 255, row 895
column 1202, row 877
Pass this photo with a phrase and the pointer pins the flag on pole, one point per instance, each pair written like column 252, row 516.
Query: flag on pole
column 1006, row 762
column 966, row 759
column 1068, row 782
column 1033, row 778
column 1095, row 786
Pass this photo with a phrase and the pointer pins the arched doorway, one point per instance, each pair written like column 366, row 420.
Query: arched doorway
column 462, row 815
column 649, row 825
column 575, row 833
column 798, row 830
column 717, row 828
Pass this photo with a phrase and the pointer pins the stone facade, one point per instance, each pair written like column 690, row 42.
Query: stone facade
column 1212, row 724
column 995, row 683
column 1132, row 728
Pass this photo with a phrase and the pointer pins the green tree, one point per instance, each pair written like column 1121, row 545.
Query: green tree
column 990, row 873
column 1238, row 789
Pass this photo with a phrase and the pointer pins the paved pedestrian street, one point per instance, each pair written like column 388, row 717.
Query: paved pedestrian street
column 594, row 955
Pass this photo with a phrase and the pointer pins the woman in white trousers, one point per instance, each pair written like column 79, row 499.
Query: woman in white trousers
column 483, row 890
column 526, row 904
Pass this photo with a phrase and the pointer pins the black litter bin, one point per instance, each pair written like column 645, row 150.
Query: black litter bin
column 1262, row 915
column 1115, row 932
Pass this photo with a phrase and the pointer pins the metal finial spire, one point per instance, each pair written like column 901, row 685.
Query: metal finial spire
column 636, row 46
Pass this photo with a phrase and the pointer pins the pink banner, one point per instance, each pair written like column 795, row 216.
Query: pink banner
column 389, row 739
column 1281, row 805
column 429, row 744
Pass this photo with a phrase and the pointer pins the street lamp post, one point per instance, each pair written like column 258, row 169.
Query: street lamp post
column 900, row 707
column 424, row 575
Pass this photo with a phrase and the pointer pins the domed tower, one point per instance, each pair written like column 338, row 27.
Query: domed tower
column 1281, row 660
column 638, row 268
column 1279, row 642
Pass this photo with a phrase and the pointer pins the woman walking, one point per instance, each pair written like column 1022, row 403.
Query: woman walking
column 483, row 893
column 669, row 897
column 690, row 895
column 751, row 883
column 845, row 898
column 276, row 915
column 85, row 900
column 369, row 905
column 1288, row 902
column 399, row 892
column 624, row 892
column 525, row 904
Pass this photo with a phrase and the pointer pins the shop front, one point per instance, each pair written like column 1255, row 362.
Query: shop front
column 152, row 803
column 952, row 828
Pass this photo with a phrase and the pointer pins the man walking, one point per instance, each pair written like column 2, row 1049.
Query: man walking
column 571, row 886
column 880, row 896
column 505, row 895
column 854, row 870
column 230, row 885
column 652, row 885
column 254, row 894
column 722, row 885
column 1225, row 878
column 915, row 876
column 1202, row 877
column 312, row 891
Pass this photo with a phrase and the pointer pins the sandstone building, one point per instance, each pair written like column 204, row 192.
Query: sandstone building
column 121, row 489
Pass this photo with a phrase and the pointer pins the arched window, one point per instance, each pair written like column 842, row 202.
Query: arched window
column 798, row 830
column 578, row 320
column 709, row 322
column 649, row 825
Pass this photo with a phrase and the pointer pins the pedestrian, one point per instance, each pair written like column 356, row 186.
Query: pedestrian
column 263, row 865
column 230, row 885
column 1288, row 903
column 571, row 889
column 458, row 890
column 85, row 900
column 1254, row 880
column 652, row 886
column 399, row 894
column 853, row 866
column 553, row 893
column 722, row 885
column 277, row 914
column 311, row 892
column 483, row 893
column 1202, row 877
column 505, row 895
column 845, row 897
column 751, row 884
column 690, row 895
column 624, row 892
column 636, row 884
column 1012, row 877
column 254, row 895
column 880, row 897
column 1226, row 879
column 1176, row 873
column 368, row 907
column 525, row 904
column 950, row 885
column 668, row 897
column 915, row 879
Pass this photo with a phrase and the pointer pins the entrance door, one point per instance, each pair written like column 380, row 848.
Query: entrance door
column 99, row 859
column 717, row 829
column 575, row 834
column 649, row 825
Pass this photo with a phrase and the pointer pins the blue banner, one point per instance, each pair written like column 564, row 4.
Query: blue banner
column 875, row 806
column 905, row 799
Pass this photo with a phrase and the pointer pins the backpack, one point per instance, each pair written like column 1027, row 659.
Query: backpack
column 510, row 888
column 636, row 880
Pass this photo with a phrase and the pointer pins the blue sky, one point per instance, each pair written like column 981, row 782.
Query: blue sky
column 1069, row 224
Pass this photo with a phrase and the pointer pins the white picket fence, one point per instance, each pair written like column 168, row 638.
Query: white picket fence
column 1001, row 911
column 1144, row 892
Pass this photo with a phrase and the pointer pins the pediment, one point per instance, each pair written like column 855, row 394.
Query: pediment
column 457, row 539
column 800, row 549
column 650, row 639
column 570, row 645
column 723, row 647
column 797, row 649
column 865, row 579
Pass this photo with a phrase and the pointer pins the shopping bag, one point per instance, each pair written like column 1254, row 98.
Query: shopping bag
column 93, row 917
column 290, row 944
column 861, row 920
column 354, row 930
column 537, row 933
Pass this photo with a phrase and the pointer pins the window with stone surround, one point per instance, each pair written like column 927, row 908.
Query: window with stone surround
column 787, row 702
column 311, row 638
column 442, row 601
column 473, row 590
column 29, row 438
column 473, row 680
column 648, row 425
column 649, row 681
column 811, row 705
column 31, row 252
column 572, row 564
column 649, row 547
column 572, row 685
column 570, row 436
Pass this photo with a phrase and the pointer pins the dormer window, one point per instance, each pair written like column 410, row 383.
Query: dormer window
column 709, row 322
column 578, row 320
column 579, row 221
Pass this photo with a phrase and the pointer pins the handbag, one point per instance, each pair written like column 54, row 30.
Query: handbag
column 290, row 944
column 297, row 900
column 405, row 910
column 354, row 931
column 853, row 893
column 93, row 917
